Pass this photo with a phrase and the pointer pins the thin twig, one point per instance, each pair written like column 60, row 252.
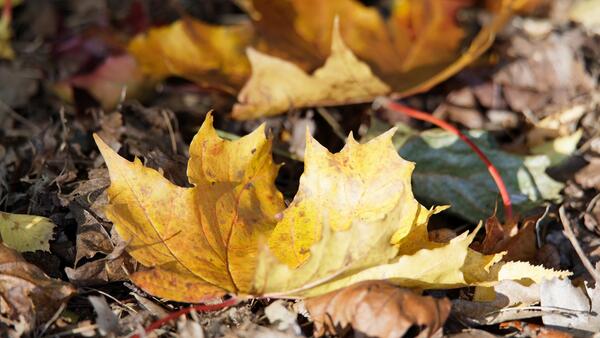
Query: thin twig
column 54, row 317
column 15, row 116
column 199, row 308
column 75, row 331
column 333, row 123
column 571, row 237
column 171, row 130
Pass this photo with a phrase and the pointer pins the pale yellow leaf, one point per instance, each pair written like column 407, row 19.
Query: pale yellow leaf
column 278, row 85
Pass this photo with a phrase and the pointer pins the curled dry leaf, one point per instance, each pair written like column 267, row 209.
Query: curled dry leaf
column 377, row 309
column 27, row 290
column 298, row 59
column 518, row 242
column 231, row 233
column 26, row 232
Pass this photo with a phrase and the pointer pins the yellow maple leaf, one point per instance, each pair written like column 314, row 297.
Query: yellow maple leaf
column 212, row 56
column 26, row 232
column 298, row 59
column 201, row 241
column 354, row 218
column 277, row 85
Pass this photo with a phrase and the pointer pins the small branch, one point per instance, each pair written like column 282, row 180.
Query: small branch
column 419, row 115
column 333, row 123
column 571, row 237
column 200, row 308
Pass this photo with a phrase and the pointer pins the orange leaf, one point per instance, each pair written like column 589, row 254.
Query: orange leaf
column 293, row 50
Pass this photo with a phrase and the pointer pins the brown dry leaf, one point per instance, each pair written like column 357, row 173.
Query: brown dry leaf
column 519, row 242
column 589, row 176
column 292, row 48
column 377, row 309
column 27, row 290
column 535, row 330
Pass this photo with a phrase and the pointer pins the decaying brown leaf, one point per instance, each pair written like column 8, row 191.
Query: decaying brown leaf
column 519, row 242
column 589, row 176
column 27, row 291
column 377, row 309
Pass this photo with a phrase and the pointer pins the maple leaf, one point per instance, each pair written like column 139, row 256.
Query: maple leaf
column 298, row 59
column 231, row 233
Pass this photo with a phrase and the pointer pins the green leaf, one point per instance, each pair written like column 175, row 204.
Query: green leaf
column 448, row 172
column 26, row 232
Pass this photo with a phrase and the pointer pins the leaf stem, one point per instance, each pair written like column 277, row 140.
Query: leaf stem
column 199, row 307
column 419, row 115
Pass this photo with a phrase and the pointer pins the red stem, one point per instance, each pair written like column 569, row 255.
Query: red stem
column 419, row 115
column 200, row 308
column 7, row 11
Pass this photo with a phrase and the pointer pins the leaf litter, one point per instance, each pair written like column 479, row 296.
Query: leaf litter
column 327, row 218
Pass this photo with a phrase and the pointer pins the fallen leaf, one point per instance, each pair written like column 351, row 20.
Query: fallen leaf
column 292, row 50
column 231, row 233
column 101, row 271
column 519, row 242
column 189, row 328
column 26, row 232
column 212, row 56
column 533, row 84
column 252, row 330
column 535, row 330
column 559, row 125
column 377, row 309
column 560, row 148
column 92, row 238
column 116, row 76
column 283, row 318
column 498, row 304
column 586, row 13
column 342, row 79
column 27, row 290
column 589, row 176
column 405, row 53
column 584, row 303
column 107, row 321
